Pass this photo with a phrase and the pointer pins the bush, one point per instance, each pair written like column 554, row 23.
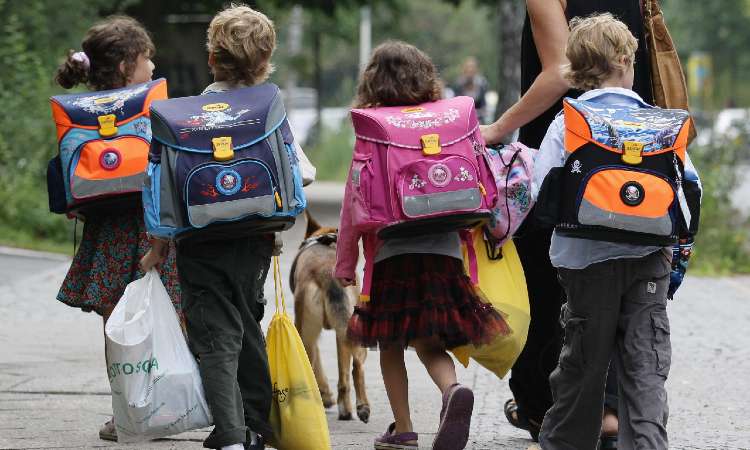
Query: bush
column 723, row 242
column 332, row 154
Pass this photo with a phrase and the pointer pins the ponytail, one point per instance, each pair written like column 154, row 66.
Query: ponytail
column 73, row 71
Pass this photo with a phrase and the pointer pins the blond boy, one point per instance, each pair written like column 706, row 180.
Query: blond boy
column 616, row 292
column 222, row 279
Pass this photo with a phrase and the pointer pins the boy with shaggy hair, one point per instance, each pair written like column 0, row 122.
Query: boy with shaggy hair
column 616, row 292
column 222, row 278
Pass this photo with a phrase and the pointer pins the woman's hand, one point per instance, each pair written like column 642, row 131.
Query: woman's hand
column 345, row 282
column 491, row 134
column 155, row 255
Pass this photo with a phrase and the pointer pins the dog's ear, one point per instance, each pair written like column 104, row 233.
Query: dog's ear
column 312, row 225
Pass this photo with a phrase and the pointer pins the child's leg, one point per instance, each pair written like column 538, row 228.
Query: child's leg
column 396, row 385
column 215, row 333
column 590, row 320
column 437, row 361
column 644, row 357
column 253, row 375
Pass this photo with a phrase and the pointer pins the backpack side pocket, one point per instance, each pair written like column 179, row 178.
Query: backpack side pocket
column 56, row 186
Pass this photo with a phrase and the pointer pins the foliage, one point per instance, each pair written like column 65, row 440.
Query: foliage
column 333, row 153
column 32, row 42
column 721, row 29
column 723, row 242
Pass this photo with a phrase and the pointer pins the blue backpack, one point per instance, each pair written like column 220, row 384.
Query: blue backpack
column 222, row 164
column 103, row 140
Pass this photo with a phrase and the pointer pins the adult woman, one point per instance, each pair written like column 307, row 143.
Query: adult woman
column 543, row 53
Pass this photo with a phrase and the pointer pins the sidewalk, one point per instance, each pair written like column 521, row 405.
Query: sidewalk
column 54, row 391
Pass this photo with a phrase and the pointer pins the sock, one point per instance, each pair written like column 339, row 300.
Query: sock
column 253, row 438
column 233, row 447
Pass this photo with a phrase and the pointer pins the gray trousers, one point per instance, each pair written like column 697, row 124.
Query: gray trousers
column 616, row 307
column 222, row 291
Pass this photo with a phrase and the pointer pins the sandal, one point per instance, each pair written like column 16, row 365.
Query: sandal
column 608, row 443
column 108, row 432
column 521, row 421
column 401, row 441
column 455, row 418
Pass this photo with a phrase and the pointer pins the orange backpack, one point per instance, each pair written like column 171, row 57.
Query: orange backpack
column 103, row 139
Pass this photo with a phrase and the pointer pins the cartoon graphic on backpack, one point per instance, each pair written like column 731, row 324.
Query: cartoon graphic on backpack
column 624, row 179
column 103, row 140
column 420, row 169
column 223, row 159
column 512, row 167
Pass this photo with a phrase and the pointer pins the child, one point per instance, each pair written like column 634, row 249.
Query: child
column 616, row 292
column 420, row 295
column 116, row 53
column 222, row 278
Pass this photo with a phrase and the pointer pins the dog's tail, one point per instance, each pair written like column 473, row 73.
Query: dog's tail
column 338, row 304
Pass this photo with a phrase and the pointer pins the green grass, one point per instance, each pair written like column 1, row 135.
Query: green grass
column 21, row 238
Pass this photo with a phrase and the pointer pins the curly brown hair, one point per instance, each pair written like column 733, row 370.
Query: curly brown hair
column 109, row 42
column 398, row 74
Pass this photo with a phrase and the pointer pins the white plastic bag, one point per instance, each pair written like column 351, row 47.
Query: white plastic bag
column 156, row 385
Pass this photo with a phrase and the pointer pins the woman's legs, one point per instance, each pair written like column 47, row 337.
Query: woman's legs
column 396, row 386
column 437, row 362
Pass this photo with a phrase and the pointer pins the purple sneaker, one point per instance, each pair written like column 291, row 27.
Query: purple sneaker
column 455, row 419
column 391, row 441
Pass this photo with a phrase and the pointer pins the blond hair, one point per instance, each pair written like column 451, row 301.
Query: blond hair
column 241, row 41
column 595, row 50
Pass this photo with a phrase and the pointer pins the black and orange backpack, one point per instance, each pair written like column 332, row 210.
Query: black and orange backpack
column 624, row 177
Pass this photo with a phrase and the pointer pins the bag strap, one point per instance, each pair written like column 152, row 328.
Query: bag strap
column 468, row 238
column 278, row 288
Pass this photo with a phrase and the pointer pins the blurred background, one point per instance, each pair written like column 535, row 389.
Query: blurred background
column 322, row 46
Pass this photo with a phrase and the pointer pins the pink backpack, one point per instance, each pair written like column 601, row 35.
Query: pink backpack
column 512, row 167
column 420, row 169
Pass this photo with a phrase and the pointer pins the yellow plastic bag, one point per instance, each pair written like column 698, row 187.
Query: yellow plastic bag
column 297, row 414
column 503, row 284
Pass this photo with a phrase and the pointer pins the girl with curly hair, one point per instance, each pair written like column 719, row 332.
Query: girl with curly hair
column 420, row 296
column 116, row 53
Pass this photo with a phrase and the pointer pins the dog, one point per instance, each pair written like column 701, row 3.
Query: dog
column 320, row 302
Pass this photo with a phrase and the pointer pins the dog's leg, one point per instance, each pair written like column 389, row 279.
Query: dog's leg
column 359, row 355
column 308, row 312
column 344, row 354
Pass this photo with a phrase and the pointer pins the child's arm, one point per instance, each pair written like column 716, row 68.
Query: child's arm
column 306, row 168
column 347, row 246
column 551, row 154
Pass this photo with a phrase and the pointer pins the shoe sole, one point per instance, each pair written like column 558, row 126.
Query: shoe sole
column 108, row 437
column 382, row 446
column 453, row 433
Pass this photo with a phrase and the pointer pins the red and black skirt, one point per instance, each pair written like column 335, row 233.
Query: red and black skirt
column 416, row 296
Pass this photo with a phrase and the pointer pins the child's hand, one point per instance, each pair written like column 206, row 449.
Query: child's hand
column 346, row 281
column 156, row 254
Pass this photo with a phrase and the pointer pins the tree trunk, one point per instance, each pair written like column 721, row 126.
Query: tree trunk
column 318, row 80
column 510, row 16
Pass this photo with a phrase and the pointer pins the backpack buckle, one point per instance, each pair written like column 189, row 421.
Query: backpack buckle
column 107, row 126
column 223, row 148
column 430, row 144
column 632, row 152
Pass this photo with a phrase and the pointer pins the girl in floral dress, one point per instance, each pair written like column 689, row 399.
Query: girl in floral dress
column 116, row 53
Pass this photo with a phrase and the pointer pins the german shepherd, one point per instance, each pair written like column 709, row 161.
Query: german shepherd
column 320, row 302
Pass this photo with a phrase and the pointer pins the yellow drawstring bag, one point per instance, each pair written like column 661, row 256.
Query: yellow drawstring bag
column 297, row 414
column 502, row 283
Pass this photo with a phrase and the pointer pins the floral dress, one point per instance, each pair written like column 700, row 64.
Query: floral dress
column 107, row 260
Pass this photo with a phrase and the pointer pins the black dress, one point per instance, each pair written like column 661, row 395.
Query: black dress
column 530, row 375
